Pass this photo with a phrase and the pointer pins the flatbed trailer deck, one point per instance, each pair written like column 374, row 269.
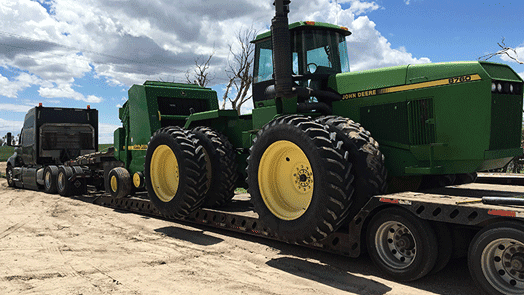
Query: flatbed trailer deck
column 455, row 205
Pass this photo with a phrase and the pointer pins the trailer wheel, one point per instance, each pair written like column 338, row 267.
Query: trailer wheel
column 221, row 166
column 496, row 258
column 299, row 179
column 175, row 172
column 368, row 162
column 9, row 176
column 119, row 182
column 445, row 246
column 63, row 185
column 401, row 245
column 50, row 178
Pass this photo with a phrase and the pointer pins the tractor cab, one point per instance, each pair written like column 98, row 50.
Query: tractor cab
column 318, row 51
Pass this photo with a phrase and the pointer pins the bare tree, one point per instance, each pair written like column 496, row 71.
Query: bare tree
column 201, row 73
column 505, row 50
column 239, row 70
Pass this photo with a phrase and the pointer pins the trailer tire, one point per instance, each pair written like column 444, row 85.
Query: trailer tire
column 496, row 258
column 9, row 175
column 401, row 245
column 445, row 246
column 63, row 185
column 175, row 172
column 221, row 166
column 367, row 160
column 50, row 178
column 299, row 179
column 119, row 182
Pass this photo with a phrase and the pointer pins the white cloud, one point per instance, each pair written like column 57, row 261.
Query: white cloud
column 128, row 42
column 105, row 132
column 10, row 107
column 407, row 2
column 10, row 126
column 521, row 75
column 66, row 91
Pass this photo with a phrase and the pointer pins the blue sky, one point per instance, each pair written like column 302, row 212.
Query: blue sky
column 74, row 53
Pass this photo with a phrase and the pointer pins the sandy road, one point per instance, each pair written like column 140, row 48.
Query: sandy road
column 55, row 245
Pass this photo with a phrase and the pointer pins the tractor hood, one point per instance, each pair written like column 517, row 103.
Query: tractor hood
column 381, row 79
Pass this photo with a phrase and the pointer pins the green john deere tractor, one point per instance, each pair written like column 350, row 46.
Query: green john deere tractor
column 303, row 153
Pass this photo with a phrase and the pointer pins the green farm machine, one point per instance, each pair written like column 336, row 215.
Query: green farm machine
column 303, row 153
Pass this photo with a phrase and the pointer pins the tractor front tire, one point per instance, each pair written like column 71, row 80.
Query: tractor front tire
column 299, row 179
column 221, row 166
column 175, row 172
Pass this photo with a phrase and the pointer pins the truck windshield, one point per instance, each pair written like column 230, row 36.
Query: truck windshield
column 314, row 51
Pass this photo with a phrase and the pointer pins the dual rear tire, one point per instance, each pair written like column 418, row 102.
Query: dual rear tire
column 300, row 177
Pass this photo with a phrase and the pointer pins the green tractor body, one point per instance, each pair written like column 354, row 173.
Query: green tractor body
column 443, row 118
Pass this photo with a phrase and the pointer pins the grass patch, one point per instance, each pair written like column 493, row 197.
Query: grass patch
column 6, row 152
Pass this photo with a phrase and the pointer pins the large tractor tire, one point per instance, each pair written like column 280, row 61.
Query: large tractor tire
column 175, row 172
column 119, row 182
column 366, row 159
column 50, row 178
column 299, row 179
column 221, row 166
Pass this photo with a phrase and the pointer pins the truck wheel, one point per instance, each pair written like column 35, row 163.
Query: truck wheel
column 221, row 166
column 299, row 179
column 119, row 182
column 175, row 172
column 401, row 245
column 63, row 185
column 368, row 162
column 496, row 258
column 50, row 178
column 9, row 176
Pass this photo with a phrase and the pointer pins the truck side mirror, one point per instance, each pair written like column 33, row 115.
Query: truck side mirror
column 8, row 139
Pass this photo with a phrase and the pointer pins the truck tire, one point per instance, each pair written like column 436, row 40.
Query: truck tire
column 221, row 166
column 401, row 245
column 9, row 176
column 119, row 182
column 175, row 172
column 63, row 185
column 50, row 178
column 366, row 159
column 496, row 258
column 299, row 179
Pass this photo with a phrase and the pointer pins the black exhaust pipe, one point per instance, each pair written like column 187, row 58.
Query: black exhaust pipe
column 281, row 50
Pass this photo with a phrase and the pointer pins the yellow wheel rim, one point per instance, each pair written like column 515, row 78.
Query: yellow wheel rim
column 285, row 179
column 137, row 180
column 164, row 173
column 114, row 184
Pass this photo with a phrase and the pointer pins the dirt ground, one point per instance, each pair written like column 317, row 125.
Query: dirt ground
column 55, row 245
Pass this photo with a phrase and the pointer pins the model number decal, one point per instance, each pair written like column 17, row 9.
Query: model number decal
column 459, row 79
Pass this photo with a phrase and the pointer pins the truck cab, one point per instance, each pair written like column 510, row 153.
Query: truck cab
column 51, row 136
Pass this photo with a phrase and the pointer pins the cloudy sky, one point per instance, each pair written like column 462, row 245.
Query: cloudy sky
column 74, row 53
